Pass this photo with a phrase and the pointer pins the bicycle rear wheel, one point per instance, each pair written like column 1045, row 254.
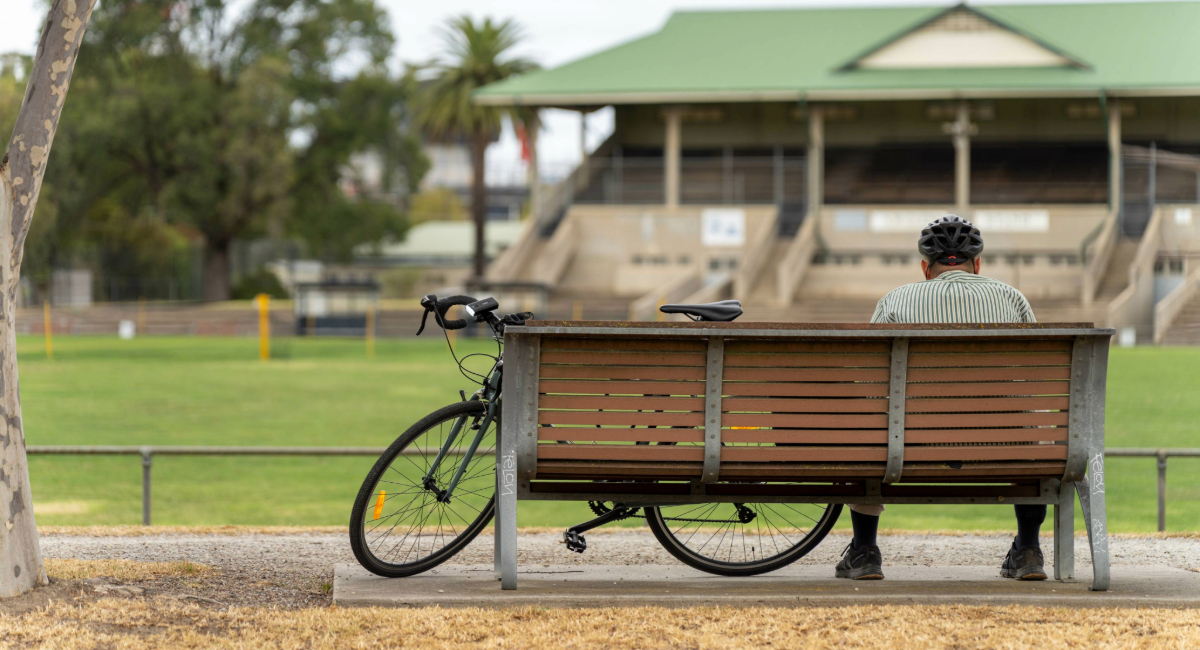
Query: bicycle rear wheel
column 399, row 527
column 741, row 539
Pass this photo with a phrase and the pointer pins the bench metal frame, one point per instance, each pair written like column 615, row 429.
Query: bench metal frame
column 1084, row 475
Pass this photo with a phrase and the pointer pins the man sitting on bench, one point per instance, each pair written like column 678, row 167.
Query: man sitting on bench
column 953, row 292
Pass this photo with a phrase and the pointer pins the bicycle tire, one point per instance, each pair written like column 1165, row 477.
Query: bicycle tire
column 359, row 541
column 697, row 560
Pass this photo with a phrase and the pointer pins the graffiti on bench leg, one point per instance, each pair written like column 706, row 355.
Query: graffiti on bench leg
column 1097, row 474
column 1099, row 530
column 508, row 474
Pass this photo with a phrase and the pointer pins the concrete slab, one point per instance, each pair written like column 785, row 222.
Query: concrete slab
column 794, row 586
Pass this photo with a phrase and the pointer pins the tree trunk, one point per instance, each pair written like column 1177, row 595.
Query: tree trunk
column 21, row 172
column 479, row 199
column 216, row 271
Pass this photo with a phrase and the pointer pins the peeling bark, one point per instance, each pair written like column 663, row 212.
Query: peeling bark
column 21, row 172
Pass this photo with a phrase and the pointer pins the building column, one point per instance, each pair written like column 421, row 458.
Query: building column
column 816, row 160
column 1114, row 155
column 532, row 125
column 961, row 131
column 671, row 155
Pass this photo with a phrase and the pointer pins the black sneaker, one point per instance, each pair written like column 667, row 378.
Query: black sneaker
column 1024, row 564
column 862, row 563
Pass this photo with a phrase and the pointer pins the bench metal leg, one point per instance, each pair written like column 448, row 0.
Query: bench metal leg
column 1064, row 533
column 496, row 528
column 1091, row 500
column 506, row 514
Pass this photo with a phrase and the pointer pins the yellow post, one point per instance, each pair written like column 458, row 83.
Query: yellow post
column 577, row 310
column 49, row 327
column 371, row 333
column 264, row 326
column 141, row 316
column 658, row 315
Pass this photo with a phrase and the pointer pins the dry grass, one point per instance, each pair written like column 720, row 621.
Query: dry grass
column 128, row 624
column 122, row 569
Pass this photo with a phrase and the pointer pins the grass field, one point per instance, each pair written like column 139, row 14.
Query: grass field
column 214, row 391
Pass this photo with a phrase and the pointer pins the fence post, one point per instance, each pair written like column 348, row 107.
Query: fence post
column 263, row 301
column 1162, row 490
column 146, row 463
column 49, row 327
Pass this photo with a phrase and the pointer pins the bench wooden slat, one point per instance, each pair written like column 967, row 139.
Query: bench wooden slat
column 1011, row 345
column 626, row 418
column 600, row 358
column 985, row 420
column 779, row 360
column 1041, row 373
column 805, row 454
column 622, row 452
column 759, row 389
column 931, row 436
column 737, row 346
column 679, row 373
column 806, row 374
column 806, row 421
column 917, row 454
column 983, row 359
column 788, row 405
column 614, row 434
column 656, row 470
column 621, row 403
column 1040, row 469
column 974, row 389
column 621, row 387
column 654, row 345
column 977, row 404
column 808, row 437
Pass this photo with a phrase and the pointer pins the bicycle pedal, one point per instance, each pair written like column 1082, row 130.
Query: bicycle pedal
column 575, row 541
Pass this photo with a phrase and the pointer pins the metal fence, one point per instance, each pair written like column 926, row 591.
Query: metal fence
column 148, row 452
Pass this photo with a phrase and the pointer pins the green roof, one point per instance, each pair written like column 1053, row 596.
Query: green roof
column 1144, row 48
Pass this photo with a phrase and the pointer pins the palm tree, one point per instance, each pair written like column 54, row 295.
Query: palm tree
column 474, row 57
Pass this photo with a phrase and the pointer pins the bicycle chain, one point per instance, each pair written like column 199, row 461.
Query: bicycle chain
column 745, row 515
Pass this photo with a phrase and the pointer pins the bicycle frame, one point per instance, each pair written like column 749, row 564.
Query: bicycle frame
column 490, row 396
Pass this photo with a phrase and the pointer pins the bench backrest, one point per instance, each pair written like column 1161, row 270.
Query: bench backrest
column 782, row 402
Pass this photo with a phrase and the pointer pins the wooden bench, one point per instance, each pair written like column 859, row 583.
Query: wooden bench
column 931, row 414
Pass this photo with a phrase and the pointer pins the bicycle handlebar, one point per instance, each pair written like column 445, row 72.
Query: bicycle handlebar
column 439, row 306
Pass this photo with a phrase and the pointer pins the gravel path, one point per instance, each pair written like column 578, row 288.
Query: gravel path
column 293, row 570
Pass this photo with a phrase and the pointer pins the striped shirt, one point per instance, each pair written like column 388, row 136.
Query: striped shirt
column 954, row 297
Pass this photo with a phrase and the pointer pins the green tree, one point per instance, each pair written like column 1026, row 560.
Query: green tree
column 475, row 55
column 235, row 126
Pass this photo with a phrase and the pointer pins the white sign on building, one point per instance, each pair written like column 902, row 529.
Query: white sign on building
column 988, row 221
column 723, row 227
column 1012, row 220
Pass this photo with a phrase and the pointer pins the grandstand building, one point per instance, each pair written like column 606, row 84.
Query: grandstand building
column 790, row 157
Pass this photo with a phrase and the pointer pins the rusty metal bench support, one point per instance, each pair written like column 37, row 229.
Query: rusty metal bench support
column 897, row 390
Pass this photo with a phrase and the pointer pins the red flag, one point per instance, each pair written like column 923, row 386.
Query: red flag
column 523, row 136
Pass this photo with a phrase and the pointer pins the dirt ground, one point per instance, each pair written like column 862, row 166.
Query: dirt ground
column 251, row 588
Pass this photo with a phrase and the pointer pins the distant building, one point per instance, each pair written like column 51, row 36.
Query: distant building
column 434, row 256
column 789, row 157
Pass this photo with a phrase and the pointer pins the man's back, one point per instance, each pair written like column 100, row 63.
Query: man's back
column 954, row 297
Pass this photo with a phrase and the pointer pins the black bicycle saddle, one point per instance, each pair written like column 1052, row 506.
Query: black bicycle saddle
column 723, row 311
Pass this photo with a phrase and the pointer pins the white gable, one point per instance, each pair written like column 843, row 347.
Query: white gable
column 962, row 39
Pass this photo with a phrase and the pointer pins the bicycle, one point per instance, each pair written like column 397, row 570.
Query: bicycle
column 444, row 503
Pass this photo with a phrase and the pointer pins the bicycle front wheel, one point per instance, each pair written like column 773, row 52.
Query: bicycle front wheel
column 741, row 539
column 403, row 522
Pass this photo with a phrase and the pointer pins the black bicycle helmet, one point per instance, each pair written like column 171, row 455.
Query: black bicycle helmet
column 950, row 240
